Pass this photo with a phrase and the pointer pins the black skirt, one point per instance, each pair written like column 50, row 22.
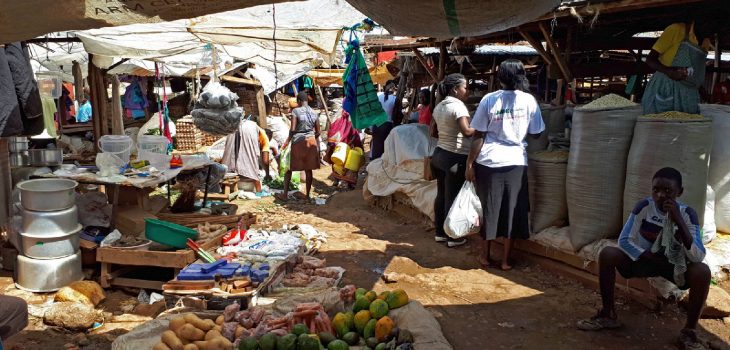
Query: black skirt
column 505, row 201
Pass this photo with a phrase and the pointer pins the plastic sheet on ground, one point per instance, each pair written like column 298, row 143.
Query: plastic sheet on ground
column 400, row 169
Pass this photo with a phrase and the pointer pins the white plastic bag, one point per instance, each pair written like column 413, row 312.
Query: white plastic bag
column 465, row 214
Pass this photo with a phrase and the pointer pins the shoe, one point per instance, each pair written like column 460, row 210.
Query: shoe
column 440, row 239
column 688, row 340
column 455, row 242
column 599, row 322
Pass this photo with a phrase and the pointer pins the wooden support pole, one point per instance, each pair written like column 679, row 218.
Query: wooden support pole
column 537, row 45
column 556, row 53
column 402, row 87
column 323, row 101
column 718, row 58
column 261, row 102
column 93, row 78
column 422, row 60
column 117, row 121
column 443, row 56
column 78, row 81
column 493, row 73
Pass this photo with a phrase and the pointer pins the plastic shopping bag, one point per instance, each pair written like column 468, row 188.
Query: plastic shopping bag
column 284, row 160
column 465, row 214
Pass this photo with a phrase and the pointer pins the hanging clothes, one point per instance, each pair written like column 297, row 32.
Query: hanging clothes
column 135, row 101
column 361, row 99
column 26, row 88
column 49, row 110
column 10, row 121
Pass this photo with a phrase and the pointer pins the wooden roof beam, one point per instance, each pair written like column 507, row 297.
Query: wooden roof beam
column 422, row 60
column 559, row 59
column 537, row 45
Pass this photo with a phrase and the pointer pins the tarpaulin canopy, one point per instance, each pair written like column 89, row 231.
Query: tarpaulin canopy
column 326, row 77
column 307, row 35
column 27, row 19
column 451, row 18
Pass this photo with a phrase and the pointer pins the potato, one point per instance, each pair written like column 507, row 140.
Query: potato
column 219, row 321
column 201, row 344
column 218, row 344
column 212, row 334
column 239, row 331
column 210, row 323
column 191, row 347
column 171, row 340
column 194, row 320
column 176, row 323
column 161, row 346
column 189, row 332
column 218, row 328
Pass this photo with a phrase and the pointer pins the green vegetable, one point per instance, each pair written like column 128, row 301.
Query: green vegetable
column 351, row 338
column 300, row 329
column 326, row 338
column 249, row 343
column 268, row 341
column 287, row 342
column 338, row 345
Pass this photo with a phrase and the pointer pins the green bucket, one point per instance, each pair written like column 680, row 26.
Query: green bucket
column 168, row 233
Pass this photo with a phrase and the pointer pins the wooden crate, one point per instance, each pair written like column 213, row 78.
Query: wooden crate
column 193, row 220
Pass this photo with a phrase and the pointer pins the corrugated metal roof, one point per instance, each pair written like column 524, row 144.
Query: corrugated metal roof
column 492, row 49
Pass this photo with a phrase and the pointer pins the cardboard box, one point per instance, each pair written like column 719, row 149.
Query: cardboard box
column 130, row 220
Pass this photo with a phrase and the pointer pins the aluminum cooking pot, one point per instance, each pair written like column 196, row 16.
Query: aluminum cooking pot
column 47, row 194
column 45, row 157
column 19, row 159
column 49, row 246
column 50, row 223
column 41, row 276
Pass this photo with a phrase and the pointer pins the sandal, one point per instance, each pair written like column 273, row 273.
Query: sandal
column 599, row 322
column 688, row 340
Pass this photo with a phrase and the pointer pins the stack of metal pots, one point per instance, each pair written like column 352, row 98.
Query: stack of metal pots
column 50, row 257
column 18, row 151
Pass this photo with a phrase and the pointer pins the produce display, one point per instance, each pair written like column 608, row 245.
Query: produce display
column 673, row 115
column 607, row 102
column 310, row 270
column 308, row 327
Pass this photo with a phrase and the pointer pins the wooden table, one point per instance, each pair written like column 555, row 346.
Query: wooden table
column 116, row 262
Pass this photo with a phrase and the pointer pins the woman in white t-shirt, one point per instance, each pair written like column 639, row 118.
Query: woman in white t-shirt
column 448, row 162
column 497, row 162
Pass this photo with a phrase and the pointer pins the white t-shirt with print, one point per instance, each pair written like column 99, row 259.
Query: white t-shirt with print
column 387, row 104
column 506, row 117
column 447, row 115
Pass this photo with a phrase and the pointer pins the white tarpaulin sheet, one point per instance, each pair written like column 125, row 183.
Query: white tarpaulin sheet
column 400, row 169
column 27, row 19
column 451, row 18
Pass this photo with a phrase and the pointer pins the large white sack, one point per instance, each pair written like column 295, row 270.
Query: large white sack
column 681, row 144
column 718, row 176
column 546, row 179
column 599, row 146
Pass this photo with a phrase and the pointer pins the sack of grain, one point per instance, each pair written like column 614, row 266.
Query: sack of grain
column 546, row 179
column 719, row 173
column 599, row 144
column 671, row 139
column 554, row 118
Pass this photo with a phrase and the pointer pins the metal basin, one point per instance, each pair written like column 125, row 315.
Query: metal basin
column 47, row 194
column 50, row 223
column 45, row 157
column 48, row 246
column 18, row 146
column 42, row 276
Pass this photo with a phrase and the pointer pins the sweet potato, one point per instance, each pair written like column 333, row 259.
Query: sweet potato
column 218, row 328
column 239, row 331
column 219, row 321
column 171, row 340
column 176, row 323
column 194, row 320
column 161, row 346
column 218, row 344
column 189, row 332
column 200, row 344
column 191, row 347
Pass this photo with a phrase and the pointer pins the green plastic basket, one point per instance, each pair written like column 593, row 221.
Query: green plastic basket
column 168, row 233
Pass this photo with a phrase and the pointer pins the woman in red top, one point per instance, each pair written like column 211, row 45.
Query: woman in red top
column 425, row 110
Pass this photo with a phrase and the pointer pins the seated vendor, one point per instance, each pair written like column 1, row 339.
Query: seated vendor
column 13, row 317
column 661, row 238
column 245, row 151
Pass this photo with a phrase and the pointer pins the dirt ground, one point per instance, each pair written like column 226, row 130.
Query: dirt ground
column 526, row 308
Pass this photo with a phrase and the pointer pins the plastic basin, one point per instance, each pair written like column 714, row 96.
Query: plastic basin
column 168, row 233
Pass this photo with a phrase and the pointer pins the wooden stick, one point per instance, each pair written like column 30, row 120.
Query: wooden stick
column 117, row 121
column 324, row 104
column 78, row 81
column 493, row 73
column 443, row 56
column 262, row 107
column 95, row 120
column 556, row 53
column 718, row 58
column 536, row 45
column 422, row 60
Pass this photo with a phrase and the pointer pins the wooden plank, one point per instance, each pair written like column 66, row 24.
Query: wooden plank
column 537, row 45
column 423, row 63
column 556, row 53
column 324, row 105
column 240, row 80
column 117, row 118
column 137, row 283
column 261, row 104
column 176, row 259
